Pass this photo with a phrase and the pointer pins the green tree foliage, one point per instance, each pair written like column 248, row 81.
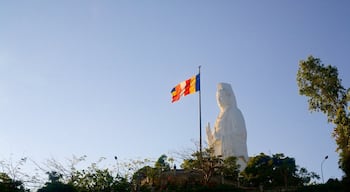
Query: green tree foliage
column 285, row 170
column 162, row 163
column 205, row 163
column 259, row 170
column 9, row 185
column 325, row 93
column 55, row 185
column 231, row 168
column 98, row 180
column 54, row 177
column 275, row 171
column 330, row 186
column 151, row 176
column 148, row 173
column 305, row 176
column 209, row 165
column 323, row 87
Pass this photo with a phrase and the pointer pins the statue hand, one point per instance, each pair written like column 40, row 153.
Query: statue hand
column 210, row 135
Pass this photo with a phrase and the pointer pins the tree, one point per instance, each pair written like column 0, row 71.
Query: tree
column 325, row 93
column 9, row 185
column 275, row 171
column 162, row 164
column 150, row 177
column 146, row 172
column 55, row 185
column 305, row 176
column 206, row 163
column 231, row 168
column 98, row 180
column 259, row 170
column 284, row 169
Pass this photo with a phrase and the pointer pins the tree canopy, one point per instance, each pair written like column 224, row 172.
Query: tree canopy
column 209, row 165
column 275, row 171
column 326, row 94
column 7, row 184
column 55, row 185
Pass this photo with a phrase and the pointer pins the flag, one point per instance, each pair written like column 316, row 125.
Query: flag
column 184, row 88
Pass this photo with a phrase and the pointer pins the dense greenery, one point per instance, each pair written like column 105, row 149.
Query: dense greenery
column 151, row 176
column 55, row 185
column 210, row 165
column 330, row 186
column 275, row 171
column 99, row 180
column 201, row 172
column 325, row 93
column 205, row 163
column 9, row 185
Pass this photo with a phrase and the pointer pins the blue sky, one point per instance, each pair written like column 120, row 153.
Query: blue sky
column 94, row 77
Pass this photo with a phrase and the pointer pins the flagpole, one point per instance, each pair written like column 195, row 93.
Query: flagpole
column 200, row 112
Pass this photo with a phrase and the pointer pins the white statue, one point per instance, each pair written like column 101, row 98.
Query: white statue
column 229, row 137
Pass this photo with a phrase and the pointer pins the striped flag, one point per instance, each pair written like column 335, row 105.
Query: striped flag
column 184, row 88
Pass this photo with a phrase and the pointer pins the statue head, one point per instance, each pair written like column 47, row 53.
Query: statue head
column 225, row 96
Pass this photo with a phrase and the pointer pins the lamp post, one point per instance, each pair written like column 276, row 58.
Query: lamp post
column 116, row 159
column 326, row 157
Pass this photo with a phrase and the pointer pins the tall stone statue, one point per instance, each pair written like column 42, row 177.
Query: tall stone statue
column 229, row 137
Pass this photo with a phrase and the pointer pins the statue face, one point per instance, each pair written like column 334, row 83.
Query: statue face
column 225, row 96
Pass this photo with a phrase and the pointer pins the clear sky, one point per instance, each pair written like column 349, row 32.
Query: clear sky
column 94, row 77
